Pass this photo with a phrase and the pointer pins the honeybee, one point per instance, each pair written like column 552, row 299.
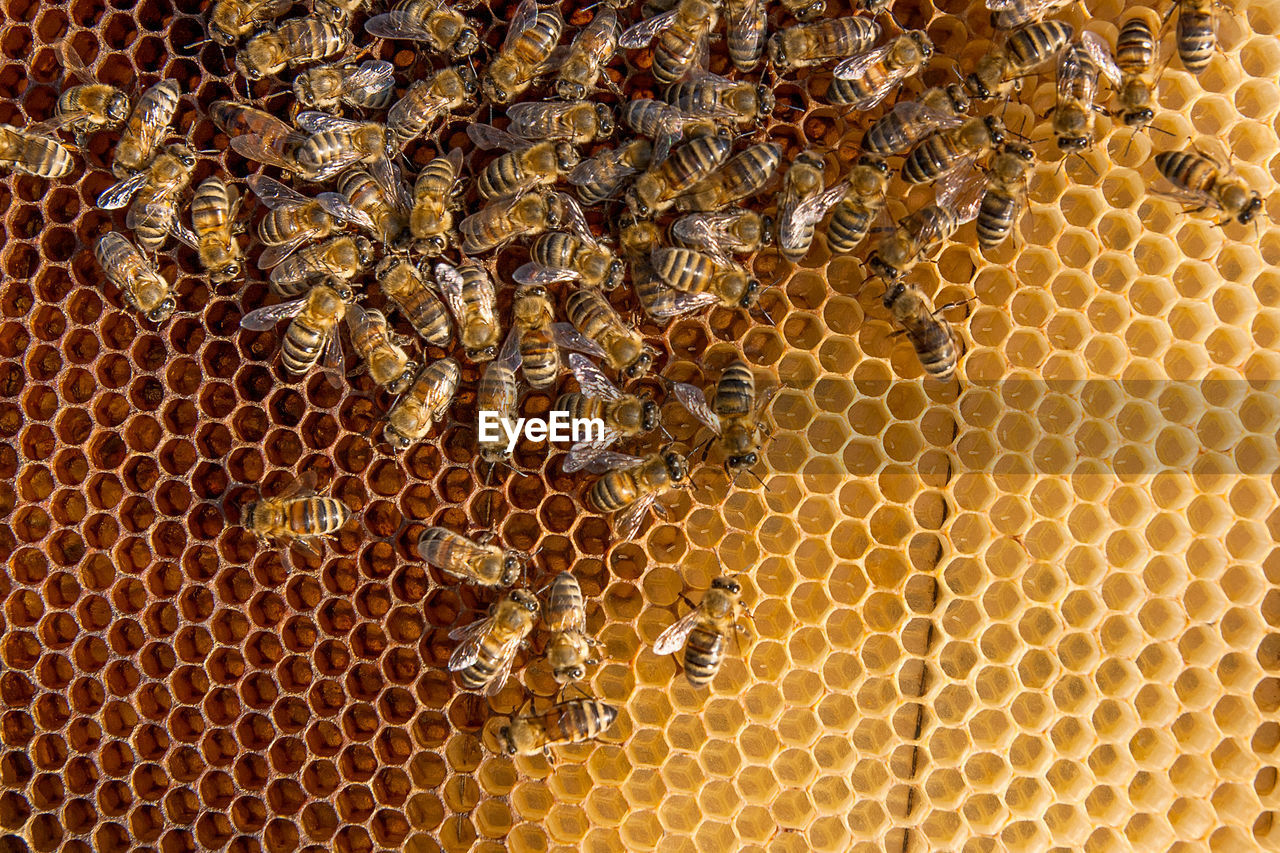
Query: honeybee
column 730, row 231
column 813, row 44
column 809, row 10
column 427, row 100
column 426, row 402
column 802, row 204
column 499, row 392
column 931, row 335
column 569, row 649
column 1000, row 72
column 577, row 122
column 708, row 279
column 142, row 288
column 738, row 101
column 28, row 152
column 745, row 24
column 681, row 34
column 1132, row 84
column 338, row 11
column 368, row 195
column 149, row 120
column 604, row 335
column 1200, row 181
column 439, row 26
column 403, row 285
column 232, row 20
column 154, row 212
column 566, row 722
column 369, row 85
column 90, row 106
column 1197, row 35
column 1006, row 195
column 591, row 50
column 570, row 256
column 657, row 189
column 297, row 41
column 908, row 122
column 533, row 315
column 296, row 516
column 525, row 53
column 338, row 143
column 923, row 232
column 624, row 415
column 214, row 210
column 434, row 196
column 293, row 219
column 341, row 258
column 742, row 176
column 481, row 563
column 863, row 202
column 631, row 485
column 944, row 150
column 489, row 646
column 734, row 415
column 526, row 165
column 313, row 329
column 1007, row 14
column 505, row 219
column 253, row 131
column 382, row 350
column 1077, row 84
column 601, row 177
column 667, row 125
column 703, row 632
column 470, row 295
column 863, row 81
column 637, row 239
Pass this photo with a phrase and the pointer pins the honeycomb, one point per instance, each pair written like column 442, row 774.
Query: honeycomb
column 1032, row 610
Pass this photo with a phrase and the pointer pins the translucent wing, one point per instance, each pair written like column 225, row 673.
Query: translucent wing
column 487, row 137
column 1075, row 78
column 313, row 121
column 679, row 303
column 591, row 380
column 703, row 230
column 961, row 188
column 854, row 68
column 560, row 599
column 500, row 675
column 567, row 337
column 762, row 402
column 584, row 453
column 920, row 120
column 398, row 24
column 262, row 319
column 337, row 206
column 528, row 116
column 155, row 111
column 627, row 522
column 55, row 122
column 302, row 486
column 532, row 273
column 857, row 65
column 387, row 174
column 1097, row 48
column 333, row 360
column 71, row 61
column 450, row 282
column 184, row 235
column 156, row 214
column 585, row 172
column 809, row 212
column 469, row 651
column 526, row 15
column 745, row 17
column 372, row 77
column 118, row 196
column 273, row 255
column 509, row 355
column 642, row 33
column 606, row 460
column 237, row 119
column 673, row 638
column 692, row 398
column 575, row 219
column 274, row 194
column 254, row 147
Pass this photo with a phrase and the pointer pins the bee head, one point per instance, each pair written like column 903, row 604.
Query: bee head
column 880, row 267
column 1138, row 118
column 118, row 107
column 766, row 225
column 564, row 675
column 750, row 294
column 650, row 415
column 341, row 288
column 468, row 42
column 1250, row 210
column 777, row 50
column 226, row 273
column 995, row 128
column 604, row 117
column 923, row 43
column 571, row 91
column 482, row 354
column 395, row 438
column 811, row 12
column 738, row 463
column 525, row 599
column 958, row 97
column 1073, row 143
column 677, row 468
column 183, row 155
column 512, row 565
column 433, row 245
column 640, row 366
column 163, row 311
column 617, row 270
column 566, row 156
column 976, row 88
column 874, row 163
column 505, row 742
column 638, row 205
column 893, row 293
column 364, row 249
column 1022, row 153
column 727, row 584
column 246, row 513
column 401, row 382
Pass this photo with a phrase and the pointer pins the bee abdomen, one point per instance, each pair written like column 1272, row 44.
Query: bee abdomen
column 209, row 205
column 703, row 654
column 683, row 269
column 1187, row 170
column 1135, row 46
column 929, row 159
column 578, row 405
column 301, row 348
column 936, row 348
column 736, row 390
column 848, row 225
column 540, row 359
column 1195, row 40
column 583, row 719
column 1034, row 43
column 995, row 218
column 612, row 492
column 316, row 516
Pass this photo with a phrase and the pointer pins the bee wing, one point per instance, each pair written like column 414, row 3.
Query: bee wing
column 450, row 282
column 118, row 196
column 1071, row 72
column 639, row 35
column 692, row 398
column 1097, row 48
column 627, row 522
column 590, row 378
column 921, row 120
column 332, row 360
column 526, row 15
column 469, row 651
column 266, row 317
column 372, row 77
column 762, row 402
column 852, row 68
column 530, row 114
column 274, row 194
column 745, row 17
column 313, row 121
column 337, row 206
column 71, row 61
column 509, row 355
column 567, row 337
column 679, row 303
column 506, row 658
column 811, row 210
column 532, row 273
column 184, row 235
column 153, row 213
column 602, row 461
column 583, row 175
column 576, row 220
column 560, row 599
column 251, row 146
column 388, row 176
column 55, row 122
column 302, row 486
column 673, row 638
column 598, row 39
column 237, row 119
column 487, row 137
column 701, row 229
column 155, row 112
column 273, row 255
column 961, row 188
column 398, row 24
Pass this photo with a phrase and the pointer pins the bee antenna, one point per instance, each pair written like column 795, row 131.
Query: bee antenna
column 759, row 479
column 200, row 43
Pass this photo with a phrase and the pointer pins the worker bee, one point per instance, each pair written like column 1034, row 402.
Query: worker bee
column 438, row 25
column 485, row 564
column 814, row 43
column 214, row 210
column 382, row 350
column 293, row 219
column 1132, row 83
column 809, row 10
column 742, row 176
column 802, row 204
column 257, row 135
column 667, row 125
column 525, row 53
column 428, row 99
column 155, row 190
column 745, row 24
column 499, row 392
column 944, row 150
column 29, row 152
column 1077, row 85
column 1006, row 195
column 426, row 402
column 232, row 20
column 296, row 42
column 923, row 232
column 296, row 516
column 370, row 85
column 578, row 122
column 403, row 285
column 703, row 632
column 708, row 278
column 570, row 256
column 313, row 329
column 505, row 219
column 931, row 335
column 1197, row 35
column 624, row 415
column 738, row 101
column 681, row 34
column 489, row 646
column 631, row 485
column 533, row 315
column 569, row 649
column 149, row 120
column 863, row 81
column 90, row 106
column 566, row 722
column 602, row 176
column 1199, row 181
column 999, row 73
column 341, row 258
column 434, row 196
column 939, row 108
column 526, row 165
column 470, row 295
column 730, row 231
column 142, row 288
column 657, row 189
column 1007, row 14
column 368, row 195
column 603, row 333
column 863, row 202
column 338, row 143
column 636, row 240
column 591, row 50
column 734, row 415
